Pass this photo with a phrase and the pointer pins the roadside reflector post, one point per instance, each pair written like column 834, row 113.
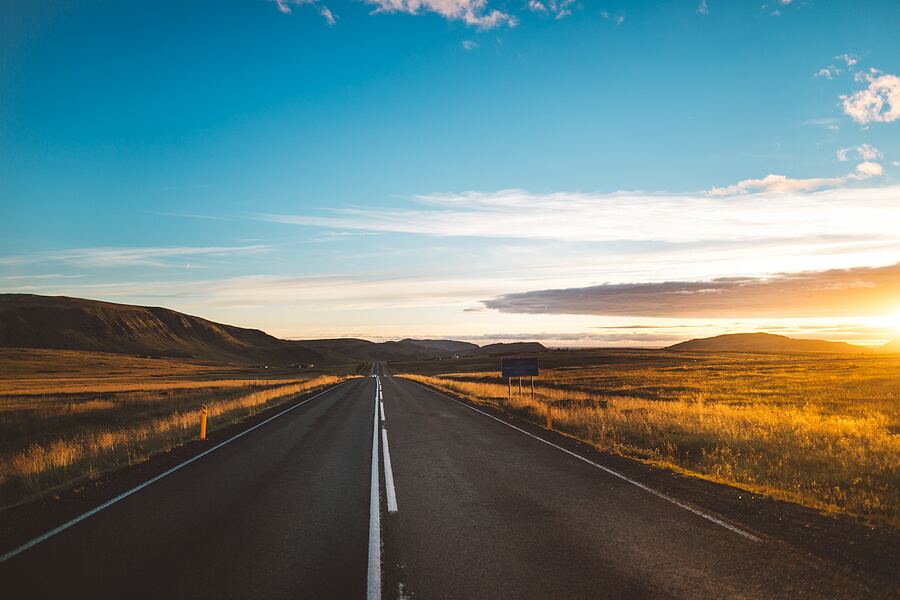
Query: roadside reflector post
column 532, row 388
column 509, row 390
column 204, row 413
column 549, row 415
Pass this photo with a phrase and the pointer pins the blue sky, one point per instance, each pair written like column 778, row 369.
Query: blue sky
column 385, row 168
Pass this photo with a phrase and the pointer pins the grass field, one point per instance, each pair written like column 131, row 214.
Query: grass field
column 820, row 430
column 67, row 417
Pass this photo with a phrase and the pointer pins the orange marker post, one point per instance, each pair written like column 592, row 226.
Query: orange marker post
column 549, row 416
column 204, row 413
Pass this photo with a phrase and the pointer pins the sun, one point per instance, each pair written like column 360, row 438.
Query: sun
column 891, row 321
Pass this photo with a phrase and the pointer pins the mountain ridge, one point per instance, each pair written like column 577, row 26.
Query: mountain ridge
column 766, row 342
column 67, row 323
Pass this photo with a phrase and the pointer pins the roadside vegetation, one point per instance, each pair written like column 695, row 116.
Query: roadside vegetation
column 60, row 431
column 820, row 430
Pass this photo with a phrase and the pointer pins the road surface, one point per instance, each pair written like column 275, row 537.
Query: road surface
column 462, row 506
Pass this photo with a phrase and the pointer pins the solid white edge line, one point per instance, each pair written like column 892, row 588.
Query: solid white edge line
column 388, row 474
column 123, row 495
column 373, row 579
column 612, row 472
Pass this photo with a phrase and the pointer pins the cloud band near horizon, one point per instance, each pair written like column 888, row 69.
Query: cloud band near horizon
column 861, row 291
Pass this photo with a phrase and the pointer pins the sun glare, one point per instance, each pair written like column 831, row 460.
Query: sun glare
column 891, row 321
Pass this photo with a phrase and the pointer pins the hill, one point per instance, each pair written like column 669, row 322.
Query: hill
column 765, row 342
column 512, row 348
column 59, row 322
column 892, row 346
column 448, row 346
column 29, row 321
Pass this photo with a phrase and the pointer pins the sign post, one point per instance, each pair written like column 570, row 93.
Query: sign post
column 519, row 368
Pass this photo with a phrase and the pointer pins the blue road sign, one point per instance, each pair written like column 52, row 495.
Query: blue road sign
column 519, row 367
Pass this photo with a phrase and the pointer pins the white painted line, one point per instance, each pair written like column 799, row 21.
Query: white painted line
column 381, row 404
column 373, row 580
column 124, row 495
column 612, row 472
column 388, row 474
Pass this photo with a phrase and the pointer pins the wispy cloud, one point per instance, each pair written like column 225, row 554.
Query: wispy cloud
column 848, row 59
column 476, row 13
column 632, row 327
column 847, row 292
column 285, row 7
column 127, row 257
column 40, row 277
column 828, row 72
column 829, row 123
column 776, row 12
column 583, row 339
column 314, row 293
column 782, row 183
column 831, row 71
column 862, row 151
column 327, row 15
column 558, row 8
column 617, row 18
column 630, row 216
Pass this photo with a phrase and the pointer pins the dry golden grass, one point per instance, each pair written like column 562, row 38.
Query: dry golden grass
column 68, row 460
column 821, row 431
column 152, row 387
column 98, row 412
column 37, row 372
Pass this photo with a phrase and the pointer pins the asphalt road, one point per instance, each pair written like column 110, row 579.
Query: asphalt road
column 282, row 512
column 485, row 511
column 467, row 507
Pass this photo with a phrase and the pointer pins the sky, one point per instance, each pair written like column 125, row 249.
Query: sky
column 628, row 173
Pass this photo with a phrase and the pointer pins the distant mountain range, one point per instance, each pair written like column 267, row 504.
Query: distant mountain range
column 31, row 321
column 768, row 342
